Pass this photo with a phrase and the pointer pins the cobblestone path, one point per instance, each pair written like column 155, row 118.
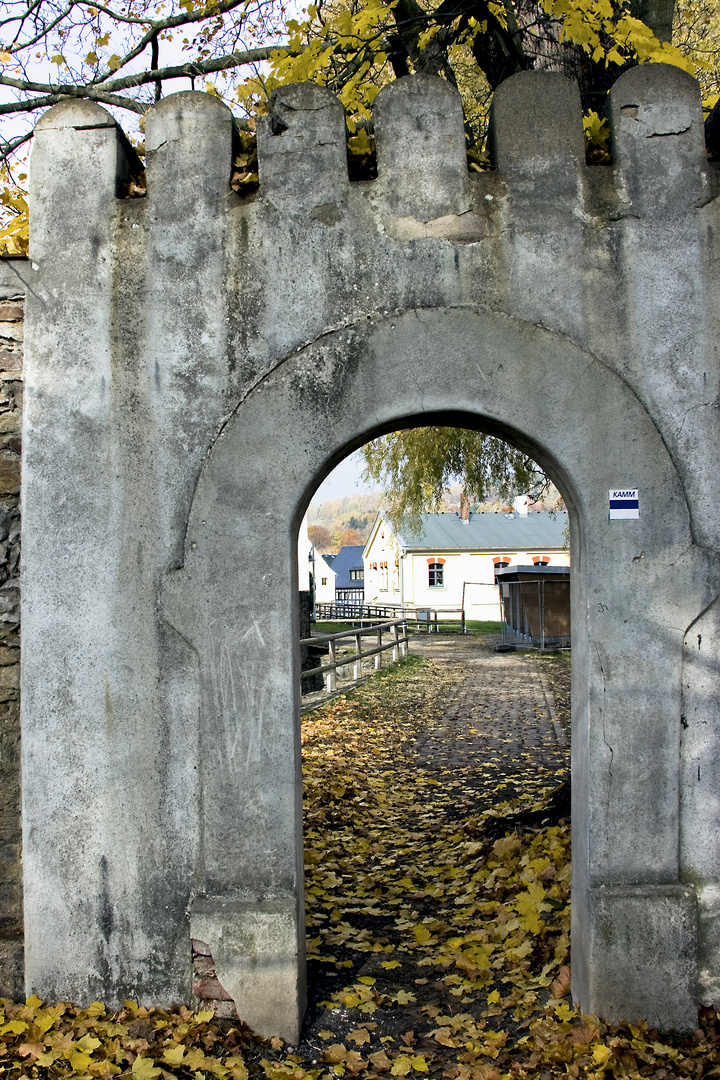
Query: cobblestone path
column 499, row 713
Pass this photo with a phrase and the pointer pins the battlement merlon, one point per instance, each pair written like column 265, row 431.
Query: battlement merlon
column 658, row 142
column 81, row 160
column 190, row 146
column 658, row 150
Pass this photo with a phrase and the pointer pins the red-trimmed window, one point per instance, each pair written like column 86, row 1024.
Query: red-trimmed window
column 540, row 560
column 436, row 573
column 500, row 561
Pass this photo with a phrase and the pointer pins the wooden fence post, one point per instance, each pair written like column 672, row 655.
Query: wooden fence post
column 332, row 674
column 358, row 662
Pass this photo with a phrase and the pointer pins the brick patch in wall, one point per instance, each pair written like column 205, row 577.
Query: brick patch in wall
column 206, row 984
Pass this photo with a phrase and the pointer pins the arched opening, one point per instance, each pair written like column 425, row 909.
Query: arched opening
column 411, row 782
column 238, row 609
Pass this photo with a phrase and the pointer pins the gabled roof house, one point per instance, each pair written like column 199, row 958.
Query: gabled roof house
column 324, row 577
column 349, row 575
column 451, row 563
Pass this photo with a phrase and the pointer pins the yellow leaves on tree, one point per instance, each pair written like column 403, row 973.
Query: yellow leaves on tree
column 13, row 214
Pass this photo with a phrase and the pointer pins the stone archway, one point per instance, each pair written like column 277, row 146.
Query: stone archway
column 566, row 307
column 637, row 587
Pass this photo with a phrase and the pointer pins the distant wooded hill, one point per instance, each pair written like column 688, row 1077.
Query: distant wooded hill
column 337, row 523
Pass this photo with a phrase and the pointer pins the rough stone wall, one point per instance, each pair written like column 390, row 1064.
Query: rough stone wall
column 12, row 301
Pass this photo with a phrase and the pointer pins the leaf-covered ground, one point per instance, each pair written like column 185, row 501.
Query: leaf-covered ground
column 438, row 913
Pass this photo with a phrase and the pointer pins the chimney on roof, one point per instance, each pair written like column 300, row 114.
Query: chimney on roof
column 520, row 505
column 464, row 507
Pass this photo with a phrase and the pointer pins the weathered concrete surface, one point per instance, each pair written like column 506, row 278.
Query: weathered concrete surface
column 229, row 353
column 700, row 788
column 643, row 948
column 259, row 956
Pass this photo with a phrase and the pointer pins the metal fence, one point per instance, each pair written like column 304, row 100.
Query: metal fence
column 428, row 620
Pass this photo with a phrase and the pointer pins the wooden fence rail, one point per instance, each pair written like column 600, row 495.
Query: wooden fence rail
column 399, row 643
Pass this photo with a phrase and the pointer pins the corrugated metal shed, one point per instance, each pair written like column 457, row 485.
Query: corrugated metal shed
column 489, row 532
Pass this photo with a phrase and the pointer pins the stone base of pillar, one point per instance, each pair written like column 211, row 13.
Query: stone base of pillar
column 709, row 944
column 643, row 955
column 259, row 953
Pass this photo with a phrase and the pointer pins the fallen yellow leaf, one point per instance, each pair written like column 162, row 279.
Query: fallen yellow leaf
column 601, row 1054
column 359, row 1036
column 173, row 1055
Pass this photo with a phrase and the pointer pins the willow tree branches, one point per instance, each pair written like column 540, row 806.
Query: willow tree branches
column 416, row 468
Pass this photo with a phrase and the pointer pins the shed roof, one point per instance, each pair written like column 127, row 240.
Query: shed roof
column 489, row 532
column 517, row 573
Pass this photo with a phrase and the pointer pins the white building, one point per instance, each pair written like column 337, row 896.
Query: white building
column 314, row 567
column 305, row 557
column 324, row 579
column 452, row 562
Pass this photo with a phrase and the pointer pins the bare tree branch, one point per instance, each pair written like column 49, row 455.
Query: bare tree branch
column 42, row 33
column 155, row 44
column 172, row 22
column 134, row 20
column 190, row 70
column 32, row 104
column 6, row 149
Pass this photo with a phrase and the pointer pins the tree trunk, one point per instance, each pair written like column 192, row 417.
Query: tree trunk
column 657, row 14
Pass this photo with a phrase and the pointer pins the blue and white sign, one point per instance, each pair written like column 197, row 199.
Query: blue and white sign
column 624, row 503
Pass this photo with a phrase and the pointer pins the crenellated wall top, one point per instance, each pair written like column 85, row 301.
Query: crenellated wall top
column 537, row 145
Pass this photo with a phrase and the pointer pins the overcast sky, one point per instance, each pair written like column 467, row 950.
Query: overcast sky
column 344, row 480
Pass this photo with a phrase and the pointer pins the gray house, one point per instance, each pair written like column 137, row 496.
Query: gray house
column 349, row 575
